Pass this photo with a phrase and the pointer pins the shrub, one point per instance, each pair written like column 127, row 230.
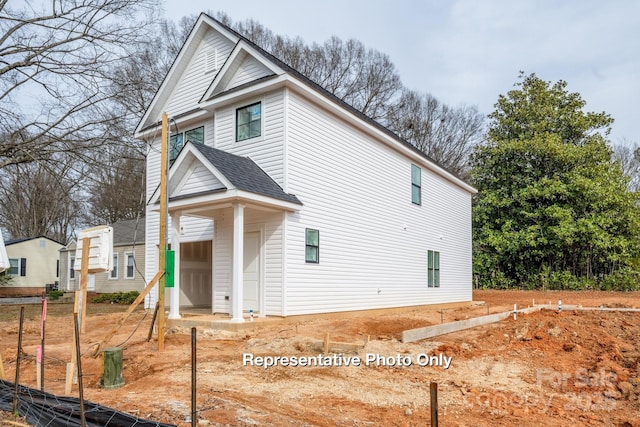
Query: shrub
column 624, row 279
column 117, row 297
column 54, row 295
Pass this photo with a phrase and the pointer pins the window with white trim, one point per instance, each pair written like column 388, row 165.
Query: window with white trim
column 130, row 264
column 72, row 271
column 17, row 267
column 312, row 246
column 433, row 269
column 249, row 121
column 416, row 185
column 114, row 272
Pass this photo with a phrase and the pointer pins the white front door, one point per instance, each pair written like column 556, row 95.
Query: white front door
column 251, row 256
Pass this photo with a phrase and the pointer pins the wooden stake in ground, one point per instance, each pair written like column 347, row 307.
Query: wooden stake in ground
column 2, row 376
column 164, row 157
column 84, row 275
column 132, row 307
column 79, row 313
column 17, row 383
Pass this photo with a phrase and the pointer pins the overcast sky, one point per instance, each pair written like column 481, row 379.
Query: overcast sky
column 470, row 51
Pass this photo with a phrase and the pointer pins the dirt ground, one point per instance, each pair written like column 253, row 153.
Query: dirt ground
column 556, row 368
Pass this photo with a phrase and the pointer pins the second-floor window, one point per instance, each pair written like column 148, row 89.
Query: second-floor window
column 177, row 140
column 249, row 121
column 416, row 185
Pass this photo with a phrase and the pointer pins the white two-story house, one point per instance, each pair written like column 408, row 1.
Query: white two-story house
column 284, row 200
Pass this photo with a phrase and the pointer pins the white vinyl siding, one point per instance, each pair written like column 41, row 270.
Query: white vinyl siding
column 249, row 70
column 195, row 80
column 198, row 179
column 270, row 226
column 267, row 150
column 373, row 241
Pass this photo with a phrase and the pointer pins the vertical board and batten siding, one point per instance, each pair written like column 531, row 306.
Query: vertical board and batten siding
column 270, row 226
column 267, row 150
column 195, row 79
column 373, row 240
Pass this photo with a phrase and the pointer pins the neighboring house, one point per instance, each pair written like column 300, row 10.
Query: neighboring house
column 128, row 262
column 285, row 200
column 34, row 266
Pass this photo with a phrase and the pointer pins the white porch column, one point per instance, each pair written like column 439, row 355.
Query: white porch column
column 237, row 264
column 174, row 304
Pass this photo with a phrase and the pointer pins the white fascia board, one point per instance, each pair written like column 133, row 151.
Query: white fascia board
column 239, row 54
column 154, row 130
column 250, row 91
column 222, row 198
column 180, row 162
column 187, row 50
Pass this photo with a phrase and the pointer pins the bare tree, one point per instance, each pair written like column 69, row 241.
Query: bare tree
column 118, row 187
column 364, row 78
column 627, row 154
column 445, row 134
column 36, row 200
column 54, row 64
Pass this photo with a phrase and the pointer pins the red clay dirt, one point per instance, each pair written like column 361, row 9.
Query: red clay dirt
column 547, row 368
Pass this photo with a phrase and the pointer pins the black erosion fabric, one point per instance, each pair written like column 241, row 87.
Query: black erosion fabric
column 45, row 409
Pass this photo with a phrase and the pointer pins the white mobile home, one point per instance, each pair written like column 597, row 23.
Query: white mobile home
column 284, row 200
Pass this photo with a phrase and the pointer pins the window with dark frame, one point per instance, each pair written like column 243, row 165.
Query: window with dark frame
column 249, row 121
column 312, row 246
column 17, row 267
column 416, row 185
column 114, row 272
column 433, row 269
column 72, row 271
column 14, row 266
column 177, row 140
column 130, row 266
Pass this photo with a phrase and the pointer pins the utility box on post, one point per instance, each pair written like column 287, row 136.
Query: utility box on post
column 100, row 249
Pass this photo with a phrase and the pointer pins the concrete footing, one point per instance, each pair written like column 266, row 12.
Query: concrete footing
column 418, row 334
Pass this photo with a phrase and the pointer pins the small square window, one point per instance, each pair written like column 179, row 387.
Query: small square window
column 312, row 246
column 416, row 185
column 433, row 269
column 249, row 121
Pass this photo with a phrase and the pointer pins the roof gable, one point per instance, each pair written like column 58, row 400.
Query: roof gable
column 200, row 58
column 200, row 169
column 247, row 65
column 243, row 66
column 193, row 175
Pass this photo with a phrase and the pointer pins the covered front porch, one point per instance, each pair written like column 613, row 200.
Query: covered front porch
column 240, row 270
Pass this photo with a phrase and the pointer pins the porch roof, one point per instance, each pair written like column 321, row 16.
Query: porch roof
column 244, row 174
column 235, row 179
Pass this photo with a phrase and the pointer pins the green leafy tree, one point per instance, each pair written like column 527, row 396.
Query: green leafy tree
column 553, row 207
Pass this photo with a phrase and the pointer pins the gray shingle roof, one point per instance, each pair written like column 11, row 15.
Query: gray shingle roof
column 128, row 231
column 297, row 74
column 245, row 174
